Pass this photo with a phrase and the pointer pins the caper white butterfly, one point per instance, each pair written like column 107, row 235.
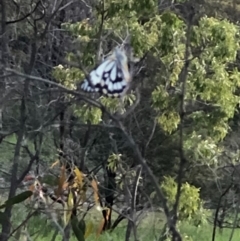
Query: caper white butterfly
column 112, row 77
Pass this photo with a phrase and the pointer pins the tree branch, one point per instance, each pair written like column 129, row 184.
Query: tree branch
column 25, row 16
column 182, row 80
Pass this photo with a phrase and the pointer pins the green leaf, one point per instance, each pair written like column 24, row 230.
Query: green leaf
column 77, row 229
column 82, row 225
column 17, row 199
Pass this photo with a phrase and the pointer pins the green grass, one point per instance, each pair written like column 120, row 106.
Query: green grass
column 189, row 233
column 149, row 229
column 204, row 233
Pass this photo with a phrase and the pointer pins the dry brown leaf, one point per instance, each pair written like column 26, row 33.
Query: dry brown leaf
column 100, row 228
column 95, row 191
column 54, row 164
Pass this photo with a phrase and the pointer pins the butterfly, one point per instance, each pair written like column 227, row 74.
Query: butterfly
column 112, row 77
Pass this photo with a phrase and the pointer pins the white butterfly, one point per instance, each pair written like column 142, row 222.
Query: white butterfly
column 111, row 78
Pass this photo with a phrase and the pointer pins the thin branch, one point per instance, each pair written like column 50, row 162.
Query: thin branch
column 73, row 92
column 235, row 221
column 153, row 179
column 6, row 134
column 99, row 47
column 182, row 80
column 84, row 145
column 3, row 57
column 28, row 168
column 20, row 136
column 13, row 187
column 52, row 16
column 152, row 133
column 54, row 235
column 25, row 16
column 23, row 223
column 217, row 211
column 80, row 95
column 132, row 107
column 132, row 223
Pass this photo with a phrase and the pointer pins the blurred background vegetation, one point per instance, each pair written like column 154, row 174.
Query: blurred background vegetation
column 80, row 169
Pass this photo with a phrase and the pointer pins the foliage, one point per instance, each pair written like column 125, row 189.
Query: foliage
column 190, row 204
column 17, row 199
column 218, row 44
column 76, row 196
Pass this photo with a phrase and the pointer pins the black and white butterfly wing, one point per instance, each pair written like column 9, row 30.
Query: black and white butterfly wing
column 94, row 81
column 111, row 77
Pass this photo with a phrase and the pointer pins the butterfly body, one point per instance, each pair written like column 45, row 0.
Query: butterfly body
column 111, row 78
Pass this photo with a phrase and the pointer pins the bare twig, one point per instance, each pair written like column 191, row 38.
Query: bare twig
column 54, row 235
column 99, row 47
column 76, row 93
column 23, row 223
column 153, row 179
column 26, row 15
column 217, row 211
column 132, row 107
column 13, row 187
column 152, row 134
column 32, row 159
column 235, row 221
column 132, row 222
column 182, row 80
column 50, row 19
column 20, row 136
